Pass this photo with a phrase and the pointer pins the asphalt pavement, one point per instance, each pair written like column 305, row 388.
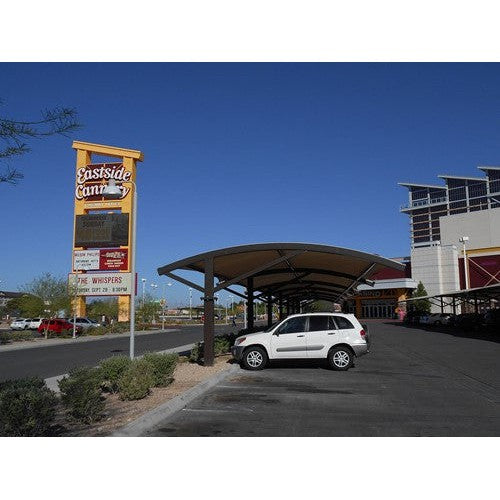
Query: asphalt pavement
column 414, row 382
column 58, row 359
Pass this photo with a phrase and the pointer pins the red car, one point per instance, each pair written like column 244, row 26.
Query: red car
column 57, row 325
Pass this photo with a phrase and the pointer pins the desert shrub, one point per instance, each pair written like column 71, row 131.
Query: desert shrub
column 81, row 394
column 4, row 338
column 119, row 327
column 163, row 366
column 196, row 353
column 96, row 330
column 19, row 336
column 27, row 408
column 221, row 345
column 111, row 371
column 136, row 380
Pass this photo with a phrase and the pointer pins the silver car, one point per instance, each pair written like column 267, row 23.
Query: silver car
column 84, row 322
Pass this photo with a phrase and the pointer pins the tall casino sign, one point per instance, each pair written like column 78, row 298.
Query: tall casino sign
column 102, row 236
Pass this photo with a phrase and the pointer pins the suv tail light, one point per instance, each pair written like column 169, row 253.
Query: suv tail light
column 362, row 333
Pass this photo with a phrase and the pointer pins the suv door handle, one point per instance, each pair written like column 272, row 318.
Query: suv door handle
column 300, row 335
column 331, row 333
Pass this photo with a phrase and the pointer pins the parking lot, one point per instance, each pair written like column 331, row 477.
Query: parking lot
column 416, row 381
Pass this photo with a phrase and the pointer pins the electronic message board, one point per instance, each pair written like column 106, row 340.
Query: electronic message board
column 101, row 230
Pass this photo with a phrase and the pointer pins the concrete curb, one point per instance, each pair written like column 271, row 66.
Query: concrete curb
column 152, row 418
column 40, row 342
column 52, row 382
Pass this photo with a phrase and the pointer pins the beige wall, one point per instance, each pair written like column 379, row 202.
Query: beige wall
column 482, row 228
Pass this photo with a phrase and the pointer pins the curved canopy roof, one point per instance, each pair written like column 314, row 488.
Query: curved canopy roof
column 291, row 270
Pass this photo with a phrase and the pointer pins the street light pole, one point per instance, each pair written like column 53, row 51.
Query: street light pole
column 143, row 291
column 74, row 304
column 463, row 240
column 164, row 304
column 190, row 303
column 114, row 191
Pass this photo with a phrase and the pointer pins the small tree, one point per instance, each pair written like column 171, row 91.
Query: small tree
column 148, row 309
column 15, row 133
column 99, row 308
column 45, row 296
column 422, row 306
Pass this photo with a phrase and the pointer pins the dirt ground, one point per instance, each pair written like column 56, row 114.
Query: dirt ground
column 119, row 413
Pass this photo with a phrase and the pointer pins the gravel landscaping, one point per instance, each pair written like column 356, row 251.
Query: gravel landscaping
column 120, row 413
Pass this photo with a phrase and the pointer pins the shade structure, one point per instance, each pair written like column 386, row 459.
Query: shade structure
column 283, row 273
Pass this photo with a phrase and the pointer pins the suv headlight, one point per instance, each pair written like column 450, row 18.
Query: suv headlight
column 240, row 340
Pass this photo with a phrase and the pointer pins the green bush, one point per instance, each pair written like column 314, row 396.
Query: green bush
column 111, row 371
column 119, row 327
column 163, row 366
column 81, row 394
column 6, row 337
column 27, row 408
column 196, row 354
column 222, row 345
column 136, row 381
column 96, row 330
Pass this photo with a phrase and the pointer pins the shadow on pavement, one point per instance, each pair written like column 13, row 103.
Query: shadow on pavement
column 298, row 363
column 449, row 330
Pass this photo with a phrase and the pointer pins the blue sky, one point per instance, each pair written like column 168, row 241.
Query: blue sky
column 245, row 153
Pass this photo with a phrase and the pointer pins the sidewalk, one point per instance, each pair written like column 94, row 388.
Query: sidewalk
column 42, row 342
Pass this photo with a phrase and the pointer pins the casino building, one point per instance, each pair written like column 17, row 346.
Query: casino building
column 460, row 216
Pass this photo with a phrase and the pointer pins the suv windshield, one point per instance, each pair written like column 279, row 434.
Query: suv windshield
column 269, row 328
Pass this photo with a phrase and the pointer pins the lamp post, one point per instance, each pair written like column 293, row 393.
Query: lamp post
column 463, row 240
column 113, row 191
column 164, row 304
column 190, row 303
column 143, row 291
column 74, row 304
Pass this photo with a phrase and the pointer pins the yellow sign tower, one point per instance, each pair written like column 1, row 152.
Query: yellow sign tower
column 91, row 178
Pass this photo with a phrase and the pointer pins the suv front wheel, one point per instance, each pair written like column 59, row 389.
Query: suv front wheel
column 340, row 358
column 254, row 358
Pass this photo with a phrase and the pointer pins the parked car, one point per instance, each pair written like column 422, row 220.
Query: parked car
column 424, row 320
column 336, row 337
column 469, row 321
column 21, row 324
column 58, row 325
column 492, row 320
column 35, row 323
column 412, row 318
column 438, row 319
column 84, row 322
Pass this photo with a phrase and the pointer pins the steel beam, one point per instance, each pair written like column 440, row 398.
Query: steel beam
column 250, row 322
column 208, row 326
column 185, row 281
column 257, row 270
column 269, row 311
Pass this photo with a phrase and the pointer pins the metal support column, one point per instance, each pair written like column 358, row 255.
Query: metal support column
column 288, row 307
column 280, row 306
column 269, row 311
column 208, row 326
column 454, row 305
column 250, row 307
column 442, row 307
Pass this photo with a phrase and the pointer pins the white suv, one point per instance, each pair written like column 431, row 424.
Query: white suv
column 336, row 337
column 20, row 324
